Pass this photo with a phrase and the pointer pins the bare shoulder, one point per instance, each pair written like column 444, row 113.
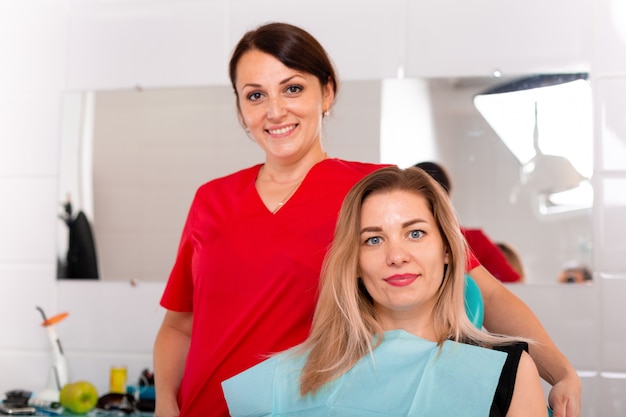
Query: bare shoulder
column 528, row 398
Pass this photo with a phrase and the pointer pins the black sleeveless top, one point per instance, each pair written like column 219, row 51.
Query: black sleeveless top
column 506, row 384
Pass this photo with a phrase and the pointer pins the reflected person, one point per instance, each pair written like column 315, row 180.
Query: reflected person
column 488, row 254
column 575, row 273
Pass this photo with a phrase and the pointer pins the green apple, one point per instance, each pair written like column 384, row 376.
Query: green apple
column 79, row 397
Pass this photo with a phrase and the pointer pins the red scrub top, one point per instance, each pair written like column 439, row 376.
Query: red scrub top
column 251, row 277
column 489, row 255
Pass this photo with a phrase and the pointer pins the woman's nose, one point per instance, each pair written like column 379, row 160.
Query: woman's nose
column 397, row 254
column 275, row 108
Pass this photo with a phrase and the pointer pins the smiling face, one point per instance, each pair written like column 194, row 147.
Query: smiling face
column 401, row 258
column 281, row 107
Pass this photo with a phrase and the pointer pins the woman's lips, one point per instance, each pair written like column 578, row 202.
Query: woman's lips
column 281, row 130
column 401, row 280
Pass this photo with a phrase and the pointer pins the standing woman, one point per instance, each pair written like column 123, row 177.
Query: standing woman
column 245, row 280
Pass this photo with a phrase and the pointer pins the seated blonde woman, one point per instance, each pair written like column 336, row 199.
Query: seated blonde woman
column 390, row 335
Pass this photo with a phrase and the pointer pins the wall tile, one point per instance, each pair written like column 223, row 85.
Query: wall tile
column 25, row 287
column 180, row 43
column 611, row 228
column 610, row 93
column 569, row 314
column 30, row 5
column 589, row 406
column 28, row 220
column 497, row 36
column 33, row 46
column 23, row 370
column 110, row 317
column 613, row 324
column 610, row 38
column 611, row 401
column 364, row 45
column 29, row 148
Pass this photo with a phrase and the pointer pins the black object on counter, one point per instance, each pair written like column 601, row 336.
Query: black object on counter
column 117, row 402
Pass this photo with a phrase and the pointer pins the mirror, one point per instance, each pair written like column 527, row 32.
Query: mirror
column 492, row 186
column 132, row 160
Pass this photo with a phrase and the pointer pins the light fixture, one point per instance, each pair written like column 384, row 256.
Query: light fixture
column 545, row 121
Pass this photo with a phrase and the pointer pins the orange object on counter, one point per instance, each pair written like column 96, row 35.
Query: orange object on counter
column 54, row 319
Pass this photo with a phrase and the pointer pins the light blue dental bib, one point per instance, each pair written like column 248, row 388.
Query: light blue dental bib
column 408, row 377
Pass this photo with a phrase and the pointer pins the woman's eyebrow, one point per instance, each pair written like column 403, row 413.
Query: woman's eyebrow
column 412, row 222
column 404, row 225
column 282, row 82
column 371, row 229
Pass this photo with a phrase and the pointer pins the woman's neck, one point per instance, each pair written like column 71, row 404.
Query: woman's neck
column 284, row 172
column 278, row 181
column 419, row 326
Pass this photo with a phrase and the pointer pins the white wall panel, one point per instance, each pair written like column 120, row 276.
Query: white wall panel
column 610, row 36
column 28, row 220
column 570, row 315
column 32, row 47
column 23, row 369
column 451, row 37
column 610, row 93
column 613, row 324
column 589, row 407
column 611, row 229
column 364, row 39
column 23, row 288
column 150, row 45
column 611, row 401
column 110, row 318
column 32, row 5
column 29, row 133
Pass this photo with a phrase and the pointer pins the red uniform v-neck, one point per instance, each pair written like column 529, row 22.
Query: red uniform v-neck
column 249, row 276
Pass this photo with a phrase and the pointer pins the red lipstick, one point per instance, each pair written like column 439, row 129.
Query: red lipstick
column 401, row 280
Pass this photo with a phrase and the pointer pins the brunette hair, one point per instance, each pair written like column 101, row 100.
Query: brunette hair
column 294, row 47
column 438, row 172
column 346, row 326
column 512, row 258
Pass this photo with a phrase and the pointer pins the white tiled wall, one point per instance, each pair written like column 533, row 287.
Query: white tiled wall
column 49, row 46
column 190, row 37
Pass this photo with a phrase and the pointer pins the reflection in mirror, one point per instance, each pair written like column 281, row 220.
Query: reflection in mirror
column 77, row 254
column 485, row 172
column 556, row 164
column 132, row 160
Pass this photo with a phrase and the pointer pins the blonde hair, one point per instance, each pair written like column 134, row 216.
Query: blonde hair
column 345, row 325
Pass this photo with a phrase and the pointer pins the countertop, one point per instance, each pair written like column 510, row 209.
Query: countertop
column 94, row 413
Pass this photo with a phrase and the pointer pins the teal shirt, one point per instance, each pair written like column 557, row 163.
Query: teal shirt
column 408, row 376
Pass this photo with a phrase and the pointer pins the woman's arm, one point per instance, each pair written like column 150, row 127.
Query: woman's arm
column 506, row 314
column 528, row 400
column 170, row 353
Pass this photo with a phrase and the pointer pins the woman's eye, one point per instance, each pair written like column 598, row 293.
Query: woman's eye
column 254, row 96
column 374, row 240
column 416, row 234
column 294, row 89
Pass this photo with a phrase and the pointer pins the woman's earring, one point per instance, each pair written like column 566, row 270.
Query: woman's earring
column 248, row 133
column 326, row 113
